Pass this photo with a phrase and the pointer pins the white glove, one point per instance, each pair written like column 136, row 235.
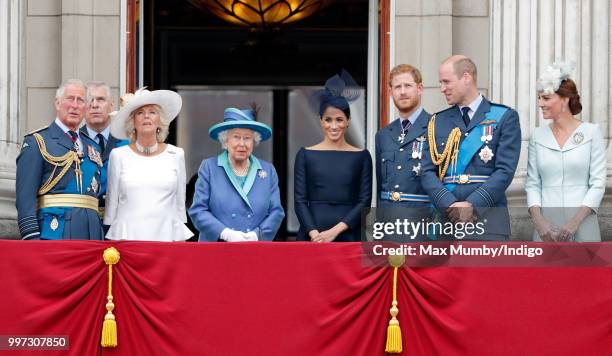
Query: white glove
column 250, row 236
column 230, row 235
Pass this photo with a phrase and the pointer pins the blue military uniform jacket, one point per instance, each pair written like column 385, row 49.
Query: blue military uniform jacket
column 112, row 142
column 33, row 171
column 218, row 203
column 492, row 172
column 397, row 169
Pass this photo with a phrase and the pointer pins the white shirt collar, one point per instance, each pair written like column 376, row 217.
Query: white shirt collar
column 92, row 133
column 473, row 106
column 65, row 128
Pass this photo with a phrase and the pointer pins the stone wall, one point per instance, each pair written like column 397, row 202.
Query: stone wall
column 512, row 41
column 44, row 42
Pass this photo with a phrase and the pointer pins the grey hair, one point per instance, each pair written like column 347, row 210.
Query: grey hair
column 222, row 137
column 94, row 85
column 59, row 93
column 164, row 125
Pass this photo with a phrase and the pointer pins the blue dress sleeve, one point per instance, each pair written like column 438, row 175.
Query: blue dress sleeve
column 270, row 225
column 300, row 192
column 203, row 219
column 353, row 217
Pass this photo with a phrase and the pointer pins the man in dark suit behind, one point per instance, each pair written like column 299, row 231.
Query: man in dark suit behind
column 475, row 146
column 97, row 126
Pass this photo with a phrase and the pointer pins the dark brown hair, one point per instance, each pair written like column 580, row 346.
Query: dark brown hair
column 567, row 89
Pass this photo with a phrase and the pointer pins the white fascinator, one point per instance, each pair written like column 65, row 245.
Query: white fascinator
column 553, row 75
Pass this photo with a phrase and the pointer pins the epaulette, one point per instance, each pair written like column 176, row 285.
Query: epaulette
column 37, row 130
column 502, row 105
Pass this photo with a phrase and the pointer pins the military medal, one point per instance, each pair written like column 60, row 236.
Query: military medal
column 78, row 149
column 486, row 154
column 54, row 224
column 94, row 184
column 487, row 134
column 417, row 169
column 578, row 137
column 401, row 137
column 94, row 155
column 417, row 147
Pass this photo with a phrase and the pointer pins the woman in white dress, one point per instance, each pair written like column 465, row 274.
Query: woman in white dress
column 145, row 197
column 566, row 174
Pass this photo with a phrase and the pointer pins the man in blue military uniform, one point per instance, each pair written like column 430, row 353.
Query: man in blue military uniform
column 97, row 126
column 58, row 175
column 400, row 149
column 474, row 149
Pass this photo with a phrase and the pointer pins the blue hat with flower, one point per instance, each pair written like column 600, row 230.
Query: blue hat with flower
column 245, row 119
column 339, row 91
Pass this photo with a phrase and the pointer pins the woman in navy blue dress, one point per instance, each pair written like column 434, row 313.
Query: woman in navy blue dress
column 333, row 179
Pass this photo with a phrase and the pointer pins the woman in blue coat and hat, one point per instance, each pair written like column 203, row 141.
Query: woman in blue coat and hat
column 237, row 196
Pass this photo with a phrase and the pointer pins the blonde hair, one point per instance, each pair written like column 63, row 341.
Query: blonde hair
column 163, row 128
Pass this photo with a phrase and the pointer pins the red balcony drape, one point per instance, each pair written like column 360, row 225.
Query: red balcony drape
column 294, row 299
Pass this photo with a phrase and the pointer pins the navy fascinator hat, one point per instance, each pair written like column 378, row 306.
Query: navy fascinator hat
column 339, row 91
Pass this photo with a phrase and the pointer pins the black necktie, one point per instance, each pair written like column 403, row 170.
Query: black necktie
column 465, row 116
column 100, row 142
column 73, row 136
column 406, row 124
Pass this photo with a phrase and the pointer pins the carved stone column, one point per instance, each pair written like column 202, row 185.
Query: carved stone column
column 526, row 36
column 10, row 15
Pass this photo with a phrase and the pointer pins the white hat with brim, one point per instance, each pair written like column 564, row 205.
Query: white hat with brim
column 244, row 119
column 169, row 101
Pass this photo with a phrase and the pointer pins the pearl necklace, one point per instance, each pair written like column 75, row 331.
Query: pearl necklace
column 243, row 171
column 147, row 150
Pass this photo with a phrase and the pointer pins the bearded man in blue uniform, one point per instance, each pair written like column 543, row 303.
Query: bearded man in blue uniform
column 58, row 175
column 474, row 147
column 399, row 151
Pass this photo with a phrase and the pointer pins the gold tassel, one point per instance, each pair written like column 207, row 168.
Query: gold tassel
column 394, row 332
column 109, row 327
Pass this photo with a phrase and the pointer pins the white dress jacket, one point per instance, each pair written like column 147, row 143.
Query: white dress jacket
column 145, row 197
column 561, row 180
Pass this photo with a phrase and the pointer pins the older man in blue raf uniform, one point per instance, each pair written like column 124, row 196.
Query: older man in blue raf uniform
column 237, row 197
column 474, row 148
column 58, row 175
column 97, row 126
column 400, row 149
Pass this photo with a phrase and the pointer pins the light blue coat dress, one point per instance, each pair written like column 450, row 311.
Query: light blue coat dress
column 221, row 202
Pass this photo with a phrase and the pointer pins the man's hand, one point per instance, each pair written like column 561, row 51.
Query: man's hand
column 461, row 211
